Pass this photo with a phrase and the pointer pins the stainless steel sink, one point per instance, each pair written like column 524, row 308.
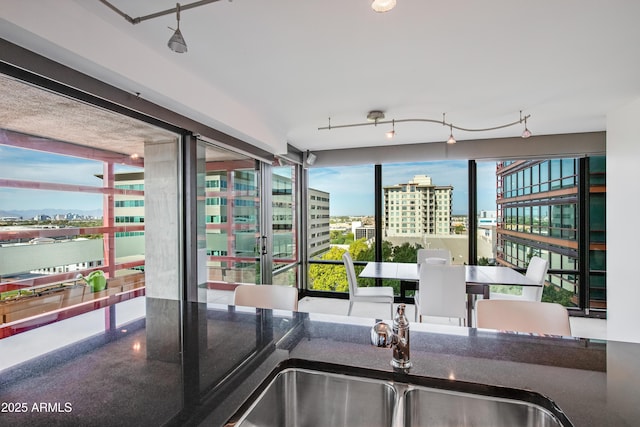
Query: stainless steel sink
column 301, row 398
column 432, row 407
column 343, row 396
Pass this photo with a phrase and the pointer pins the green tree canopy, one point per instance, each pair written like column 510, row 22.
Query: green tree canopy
column 406, row 253
column 333, row 277
column 329, row 277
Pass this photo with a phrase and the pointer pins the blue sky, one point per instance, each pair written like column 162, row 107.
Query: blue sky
column 30, row 165
column 351, row 188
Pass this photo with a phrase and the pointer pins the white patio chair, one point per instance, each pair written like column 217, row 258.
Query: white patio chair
column 266, row 296
column 442, row 292
column 523, row 316
column 537, row 272
column 434, row 253
column 378, row 294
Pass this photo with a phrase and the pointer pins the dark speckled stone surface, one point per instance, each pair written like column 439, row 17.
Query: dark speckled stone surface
column 109, row 380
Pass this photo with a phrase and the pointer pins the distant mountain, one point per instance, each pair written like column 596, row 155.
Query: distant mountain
column 30, row 213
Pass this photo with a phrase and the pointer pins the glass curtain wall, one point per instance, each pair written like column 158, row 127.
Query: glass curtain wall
column 424, row 205
column 538, row 214
column 597, row 210
column 525, row 208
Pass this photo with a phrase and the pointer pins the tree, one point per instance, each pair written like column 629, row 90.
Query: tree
column 405, row 253
column 329, row 277
column 359, row 249
column 558, row 295
column 333, row 277
column 335, row 235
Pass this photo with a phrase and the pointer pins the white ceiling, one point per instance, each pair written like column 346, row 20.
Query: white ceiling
column 272, row 72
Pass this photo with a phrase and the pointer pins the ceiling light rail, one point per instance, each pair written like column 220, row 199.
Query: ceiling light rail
column 176, row 42
column 139, row 19
column 377, row 118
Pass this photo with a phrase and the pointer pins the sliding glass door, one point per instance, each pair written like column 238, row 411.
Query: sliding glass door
column 284, row 224
column 228, row 204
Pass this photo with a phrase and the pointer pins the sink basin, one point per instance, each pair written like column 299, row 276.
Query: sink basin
column 300, row 398
column 432, row 407
column 305, row 394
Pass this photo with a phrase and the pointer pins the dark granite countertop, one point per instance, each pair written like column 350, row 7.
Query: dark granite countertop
column 583, row 377
column 112, row 379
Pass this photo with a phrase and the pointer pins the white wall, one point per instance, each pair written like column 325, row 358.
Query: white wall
column 623, row 233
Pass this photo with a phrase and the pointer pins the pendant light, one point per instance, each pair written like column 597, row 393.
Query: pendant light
column 176, row 42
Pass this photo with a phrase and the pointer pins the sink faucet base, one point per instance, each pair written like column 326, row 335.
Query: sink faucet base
column 382, row 335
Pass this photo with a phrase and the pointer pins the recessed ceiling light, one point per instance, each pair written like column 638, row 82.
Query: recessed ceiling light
column 383, row 5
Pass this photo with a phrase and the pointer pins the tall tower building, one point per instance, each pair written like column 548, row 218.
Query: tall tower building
column 417, row 208
column 542, row 207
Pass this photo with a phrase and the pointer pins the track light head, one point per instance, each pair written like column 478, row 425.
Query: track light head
column 392, row 132
column 526, row 133
column 176, row 42
column 311, row 158
column 451, row 139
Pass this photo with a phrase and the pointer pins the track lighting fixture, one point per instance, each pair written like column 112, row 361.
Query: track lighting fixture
column 526, row 133
column 311, row 158
column 392, row 132
column 376, row 117
column 176, row 42
column 451, row 139
column 383, row 5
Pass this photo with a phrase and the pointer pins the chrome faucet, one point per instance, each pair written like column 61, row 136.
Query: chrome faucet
column 382, row 335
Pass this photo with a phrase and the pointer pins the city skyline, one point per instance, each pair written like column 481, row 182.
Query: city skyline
column 350, row 188
column 38, row 166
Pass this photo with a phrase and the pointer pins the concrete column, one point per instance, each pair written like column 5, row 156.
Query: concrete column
column 163, row 249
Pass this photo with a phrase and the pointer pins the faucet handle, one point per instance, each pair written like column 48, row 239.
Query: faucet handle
column 400, row 319
column 382, row 335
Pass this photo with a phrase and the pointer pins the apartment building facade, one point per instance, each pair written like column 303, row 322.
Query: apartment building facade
column 318, row 222
column 417, row 208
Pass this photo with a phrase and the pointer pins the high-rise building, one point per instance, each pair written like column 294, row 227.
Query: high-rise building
column 366, row 232
column 231, row 217
column 129, row 206
column 417, row 208
column 318, row 222
column 544, row 210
